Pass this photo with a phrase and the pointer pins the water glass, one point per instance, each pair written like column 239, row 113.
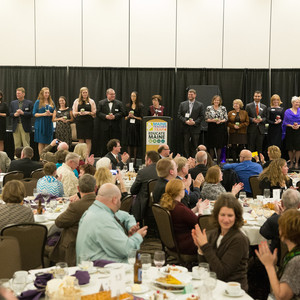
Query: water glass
column 267, row 193
column 203, row 271
column 61, row 270
column 159, row 258
column 131, row 257
column 35, row 193
column 242, row 196
column 53, row 204
column 146, row 264
column 19, row 282
column 210, row 282
column 84, row 262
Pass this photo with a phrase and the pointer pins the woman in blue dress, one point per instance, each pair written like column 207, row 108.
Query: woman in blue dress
column 43, row 126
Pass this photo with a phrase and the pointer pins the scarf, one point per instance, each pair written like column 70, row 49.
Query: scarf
column 294, row 252
column 289, row 119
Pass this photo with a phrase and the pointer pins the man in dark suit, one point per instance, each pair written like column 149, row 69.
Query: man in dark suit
column 110, row 113
column 114, row 149
column 140, row 185
column 25, row 164
column 21, row 114
column 64, row 250
column 257, row 115
column 191, row 113
column 201, row 165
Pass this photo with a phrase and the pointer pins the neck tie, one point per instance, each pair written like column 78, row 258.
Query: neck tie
column 123, row 226
column 257, row 110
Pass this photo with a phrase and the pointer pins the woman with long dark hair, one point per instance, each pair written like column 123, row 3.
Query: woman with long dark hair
column 134, row 114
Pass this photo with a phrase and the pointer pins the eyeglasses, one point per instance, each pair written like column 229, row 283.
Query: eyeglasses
column 166, row 149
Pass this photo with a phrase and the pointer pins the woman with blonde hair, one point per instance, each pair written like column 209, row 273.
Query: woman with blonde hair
column 43, row 126
column 84, row 111
column 275, row 176
column 183, row 218
column 275, row 115
column 274, row 152
column 238, row 121
column 212, row 186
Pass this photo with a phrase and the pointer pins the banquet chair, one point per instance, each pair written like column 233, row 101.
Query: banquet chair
column 127, row 203
column 167, row 237
column 32, row 240
column 151, row 186
column 30, row 184
column 37, row 174
column 14, row 175
column 205, row 222
column 10, row 257
column 254, row 184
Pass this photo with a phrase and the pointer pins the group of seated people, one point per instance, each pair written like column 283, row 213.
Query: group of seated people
column 185, row 188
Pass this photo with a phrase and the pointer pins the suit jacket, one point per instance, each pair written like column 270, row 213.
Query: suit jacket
column 197, row 115
column 159, row 189
column 26, row 165
column 230, row 259
column 26, row 118
column 244, row 122
column 251, row 110
column 114, row 161
column 64, row 250
column 197, row 170
column 140, row 189
column 117, row 110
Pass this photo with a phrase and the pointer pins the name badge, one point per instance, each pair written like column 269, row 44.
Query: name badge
column 233, row 114
column 260, row 109
column 59, row 111
column 187, row 115
column 132, row 121
column 272, row 109
column 26, row 108
column 116, row 109
column 88, row 103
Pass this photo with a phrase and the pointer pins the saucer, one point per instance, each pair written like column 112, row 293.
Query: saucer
column 242, row 293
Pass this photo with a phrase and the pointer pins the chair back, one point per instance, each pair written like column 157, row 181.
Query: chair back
column 127, row 203
column 254, row 184
column 10, row 257
column 205, row 222
column 32, row 240
column 37, row 174
column 165, row 226
column 14, row 175
column 30, row 184
column 151, row 186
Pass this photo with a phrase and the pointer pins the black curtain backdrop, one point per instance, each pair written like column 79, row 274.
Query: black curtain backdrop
column 171, row 84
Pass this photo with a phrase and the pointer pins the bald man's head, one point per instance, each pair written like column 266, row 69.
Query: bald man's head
column 245, row 155
column 201, row 158
column 63, row 146
column 110, row 195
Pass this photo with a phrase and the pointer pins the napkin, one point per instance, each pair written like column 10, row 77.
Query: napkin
column 31, row 295
column 102, row 262
column 40, row 196
column 41, row 280
column 83, row 277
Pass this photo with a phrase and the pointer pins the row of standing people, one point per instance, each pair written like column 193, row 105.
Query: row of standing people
column 109, row 112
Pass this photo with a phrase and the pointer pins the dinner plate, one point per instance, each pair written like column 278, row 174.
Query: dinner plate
column 143, row 289
column 173, row 270
column 242, row 293
column 170, row 289
column 127, row 267
column 184, row 278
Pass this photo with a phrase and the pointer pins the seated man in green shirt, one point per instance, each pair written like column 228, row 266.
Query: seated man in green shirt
column 105, row 232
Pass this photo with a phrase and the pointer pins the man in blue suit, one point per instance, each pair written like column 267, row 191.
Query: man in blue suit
column 21, row 114
column 191, row 113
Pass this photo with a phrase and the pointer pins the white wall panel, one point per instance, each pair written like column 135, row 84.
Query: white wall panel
column 199, row 33
column 105, row 33
column 58, row 32
column 285, row 42
column 152, row 33
column 17, row 32
column 246, row 33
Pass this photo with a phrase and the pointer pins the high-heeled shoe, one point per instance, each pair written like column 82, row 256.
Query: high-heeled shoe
column 296, row 166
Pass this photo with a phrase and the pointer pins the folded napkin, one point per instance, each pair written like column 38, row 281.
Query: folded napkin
column 102, row 262
column 40, row 196
column 40, row 282
column 83, row 277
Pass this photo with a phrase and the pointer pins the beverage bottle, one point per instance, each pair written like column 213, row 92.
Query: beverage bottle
column 40, row 208
column 138, row 269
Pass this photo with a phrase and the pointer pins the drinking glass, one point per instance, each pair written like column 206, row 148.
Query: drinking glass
column 53, row 204
column 35, row 193
column 125, row 169
column 4, row 282
column 210, row 282
column 19, row 283
column 84, row 262
column 203, row 271
column 131, row 257
column 159, row 258
column 146, row 264
column 61, row 270
column 242, row 196
column 267, row 193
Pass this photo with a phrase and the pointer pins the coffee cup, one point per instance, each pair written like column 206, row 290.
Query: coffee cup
column 233, row 288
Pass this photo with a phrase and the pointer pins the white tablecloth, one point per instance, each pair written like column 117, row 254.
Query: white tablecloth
column 96, row 280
